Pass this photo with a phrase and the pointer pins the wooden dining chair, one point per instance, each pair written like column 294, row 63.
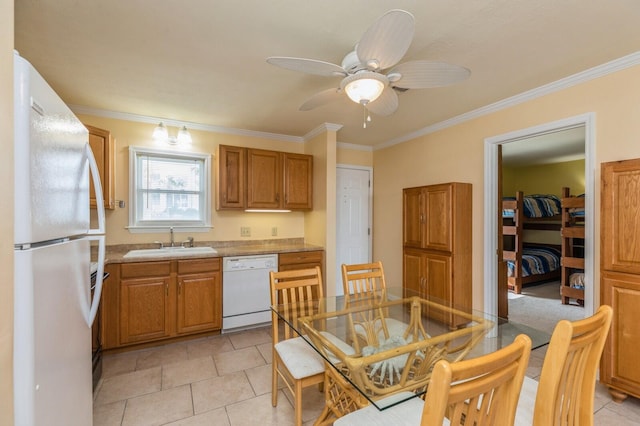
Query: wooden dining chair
column 363, row 280
column 294, row 360
column 564, row 396
column 480, row 391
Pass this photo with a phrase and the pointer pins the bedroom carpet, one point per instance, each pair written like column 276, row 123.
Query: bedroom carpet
column 539, row 306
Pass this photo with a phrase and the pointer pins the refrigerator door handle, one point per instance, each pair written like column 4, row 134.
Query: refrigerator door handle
column 97, row 291
column 97, row 186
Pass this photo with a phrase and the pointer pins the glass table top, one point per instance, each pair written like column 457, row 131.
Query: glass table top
column 386, row 343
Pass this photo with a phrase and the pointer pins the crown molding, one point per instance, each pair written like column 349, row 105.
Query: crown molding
column 79, row 109
column 324, row 127
column 564, row 83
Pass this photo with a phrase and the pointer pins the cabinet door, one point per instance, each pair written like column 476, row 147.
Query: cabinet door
column 620, row 367
column 621, row 216
column 102, row 147
column 437, row 274
column 437, row 229
column 298, row 179
column 264, row 179
column 144, row 309
column 413, row 273
column 412, row 211
column 199, row 303
column 231, row 177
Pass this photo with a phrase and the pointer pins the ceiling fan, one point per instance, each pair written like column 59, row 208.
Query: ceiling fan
column 367, row 74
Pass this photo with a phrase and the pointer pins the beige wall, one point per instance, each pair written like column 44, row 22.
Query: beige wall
column 6, row 213
column 226, row 224
column 457, row 154
column 544, row 178
column 354, row 157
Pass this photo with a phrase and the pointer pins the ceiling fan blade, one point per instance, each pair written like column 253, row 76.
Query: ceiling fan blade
column 386, row 104
column 387, row 40
column 309, row 66
column 426, row 74
column 321, row 98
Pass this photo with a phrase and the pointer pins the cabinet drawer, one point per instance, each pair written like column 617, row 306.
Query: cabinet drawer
column 145, row 269
column 300, row 257
column 194, row 266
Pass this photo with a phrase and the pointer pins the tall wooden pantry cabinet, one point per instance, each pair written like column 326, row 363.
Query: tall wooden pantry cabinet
column 437, row 244
column 620, row 276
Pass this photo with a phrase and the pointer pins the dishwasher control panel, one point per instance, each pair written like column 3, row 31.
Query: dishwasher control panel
column 242, row 263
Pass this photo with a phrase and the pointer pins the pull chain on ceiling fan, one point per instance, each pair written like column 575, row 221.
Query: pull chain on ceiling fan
column 367, row 76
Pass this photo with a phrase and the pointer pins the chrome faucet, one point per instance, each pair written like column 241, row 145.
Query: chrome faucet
column 171, row 233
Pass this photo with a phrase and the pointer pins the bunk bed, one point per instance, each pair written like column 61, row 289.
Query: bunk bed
column 572, row 235
column 528, row 262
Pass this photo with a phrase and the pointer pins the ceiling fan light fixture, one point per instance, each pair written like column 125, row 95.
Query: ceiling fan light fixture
column 364, row 87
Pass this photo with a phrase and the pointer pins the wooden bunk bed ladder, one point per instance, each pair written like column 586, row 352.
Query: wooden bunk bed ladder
column 571, row 231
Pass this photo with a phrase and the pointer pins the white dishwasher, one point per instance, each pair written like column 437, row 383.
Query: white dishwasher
column 246, row 294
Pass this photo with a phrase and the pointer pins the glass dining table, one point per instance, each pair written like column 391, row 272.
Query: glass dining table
column 380, row 347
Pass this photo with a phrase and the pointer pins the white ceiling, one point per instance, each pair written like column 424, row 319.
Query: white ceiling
column 203, row 61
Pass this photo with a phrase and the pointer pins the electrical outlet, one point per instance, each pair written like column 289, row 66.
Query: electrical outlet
column 274, row 231
column 245, row 231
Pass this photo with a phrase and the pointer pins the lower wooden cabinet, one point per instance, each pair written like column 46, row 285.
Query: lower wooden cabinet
column 620, row 365
column 149, row 301
column 144, row 309
column 199, row 297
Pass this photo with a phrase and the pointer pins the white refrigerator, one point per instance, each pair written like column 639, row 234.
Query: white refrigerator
column 53, row 309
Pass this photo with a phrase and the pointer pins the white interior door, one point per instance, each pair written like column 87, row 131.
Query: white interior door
column 353, row 222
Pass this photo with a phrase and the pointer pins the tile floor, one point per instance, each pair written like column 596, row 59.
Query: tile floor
column 226, row 380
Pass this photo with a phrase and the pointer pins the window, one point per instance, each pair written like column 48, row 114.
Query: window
column 169, row 188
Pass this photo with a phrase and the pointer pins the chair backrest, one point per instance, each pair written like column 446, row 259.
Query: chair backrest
column 567, row 381
column 298, row 291
column 362, row 278
column 479, row 391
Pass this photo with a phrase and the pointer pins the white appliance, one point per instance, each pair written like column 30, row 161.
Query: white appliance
column 246, row 294
column 53, row 309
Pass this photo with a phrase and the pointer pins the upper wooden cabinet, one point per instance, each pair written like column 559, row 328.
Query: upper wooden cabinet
column 621, row 216
column 262, row 179
column 231, row 177
column 102, row 146
column 429, row 212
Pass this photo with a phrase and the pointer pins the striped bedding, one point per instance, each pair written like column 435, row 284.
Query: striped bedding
column 577, row 212
column 537, row 260
column 536, row 205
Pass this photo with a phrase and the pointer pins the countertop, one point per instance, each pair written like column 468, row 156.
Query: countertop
column 115, row 253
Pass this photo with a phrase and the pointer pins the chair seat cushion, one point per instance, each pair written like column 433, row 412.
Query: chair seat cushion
column 299, row 357
column 527, row 402
column 407, row 413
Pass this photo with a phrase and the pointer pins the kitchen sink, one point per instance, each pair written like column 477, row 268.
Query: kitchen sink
column 170, row 251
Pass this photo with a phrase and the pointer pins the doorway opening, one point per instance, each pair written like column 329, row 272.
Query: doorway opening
column 493, row 199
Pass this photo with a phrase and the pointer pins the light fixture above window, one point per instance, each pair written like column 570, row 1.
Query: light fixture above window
column 160, row 134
